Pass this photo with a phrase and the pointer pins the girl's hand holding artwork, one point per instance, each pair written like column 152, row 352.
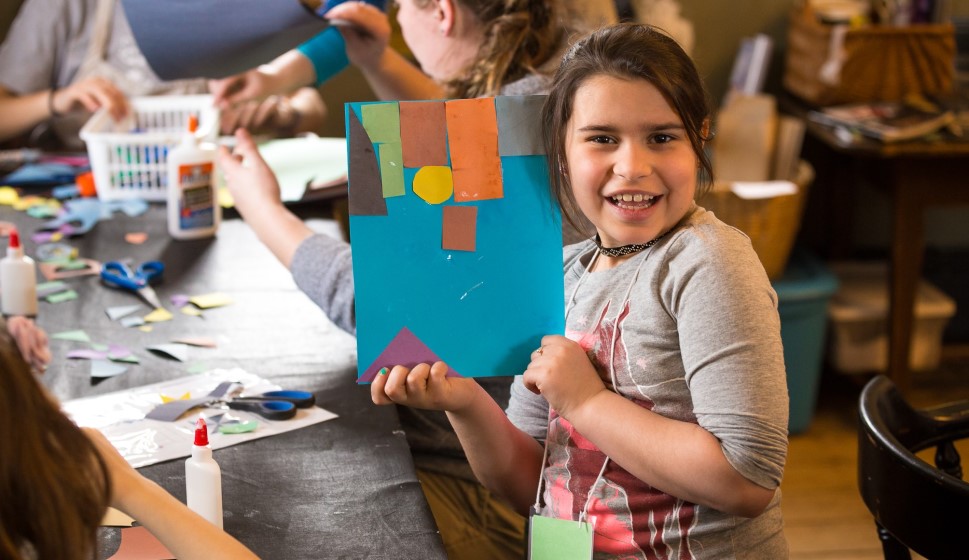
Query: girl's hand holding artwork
column 561, row 372
column 424, row 386
column 365, row 31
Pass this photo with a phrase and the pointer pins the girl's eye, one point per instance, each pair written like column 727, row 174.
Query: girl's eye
column 601, row 140
column 662, row 138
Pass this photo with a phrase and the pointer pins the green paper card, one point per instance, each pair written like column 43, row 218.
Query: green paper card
column 559, row 539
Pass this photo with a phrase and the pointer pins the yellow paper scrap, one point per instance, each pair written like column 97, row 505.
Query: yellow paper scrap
column 190, row 310
column 434, row 183
column 166, row 399
column 8, row 196
column 158, row 315
column 145, row 328
column 115, row 518
column 208, row 301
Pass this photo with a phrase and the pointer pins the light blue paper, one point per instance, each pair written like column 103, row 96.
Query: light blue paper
column 482, row 312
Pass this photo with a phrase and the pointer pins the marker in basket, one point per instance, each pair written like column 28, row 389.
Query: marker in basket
column 193, row 209
column 203, row 478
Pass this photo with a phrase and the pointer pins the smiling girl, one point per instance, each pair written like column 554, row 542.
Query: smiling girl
column 661, row 415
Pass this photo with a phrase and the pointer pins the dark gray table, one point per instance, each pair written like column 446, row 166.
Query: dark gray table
column 344, row 488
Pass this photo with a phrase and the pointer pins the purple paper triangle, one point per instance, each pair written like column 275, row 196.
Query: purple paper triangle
column 404, row 350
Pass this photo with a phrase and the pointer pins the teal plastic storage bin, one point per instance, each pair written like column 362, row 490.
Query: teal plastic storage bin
column 803, row 293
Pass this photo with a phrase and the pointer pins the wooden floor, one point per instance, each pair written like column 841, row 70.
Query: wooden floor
column 824, row 516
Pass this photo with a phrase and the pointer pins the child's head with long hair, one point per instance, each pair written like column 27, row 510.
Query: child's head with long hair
column 54, row 486
column 626, row 51
column 518, row 36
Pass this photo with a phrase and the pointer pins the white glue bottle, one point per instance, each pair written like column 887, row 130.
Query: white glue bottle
column 18, row 280
column 193, row 206
column 203, row 478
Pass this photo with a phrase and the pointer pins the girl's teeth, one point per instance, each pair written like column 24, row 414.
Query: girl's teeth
column 631, row 198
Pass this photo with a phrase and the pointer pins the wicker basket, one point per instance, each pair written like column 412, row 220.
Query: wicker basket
column 770, row 223
column 881, row 63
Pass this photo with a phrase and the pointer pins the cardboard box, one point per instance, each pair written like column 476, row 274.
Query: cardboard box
column 859, row 311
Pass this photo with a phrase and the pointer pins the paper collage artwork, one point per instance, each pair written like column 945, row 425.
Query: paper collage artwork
column 457, row 242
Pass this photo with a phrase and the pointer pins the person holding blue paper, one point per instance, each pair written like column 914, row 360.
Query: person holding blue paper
column 473, row 522
column 657, row 426
column 57, row 480
column 61, row 60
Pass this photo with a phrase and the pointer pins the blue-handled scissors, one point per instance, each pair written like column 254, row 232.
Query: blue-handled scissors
column 120, row 275
column 273, row 405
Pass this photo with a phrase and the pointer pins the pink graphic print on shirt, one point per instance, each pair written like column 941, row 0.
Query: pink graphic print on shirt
column 633, row 519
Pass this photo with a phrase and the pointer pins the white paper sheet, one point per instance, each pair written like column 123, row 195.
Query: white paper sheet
column 121, row 417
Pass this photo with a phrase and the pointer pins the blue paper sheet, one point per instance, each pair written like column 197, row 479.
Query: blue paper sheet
column 483, row 311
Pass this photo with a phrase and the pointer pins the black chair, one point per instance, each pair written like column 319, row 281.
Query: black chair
column 916, row 506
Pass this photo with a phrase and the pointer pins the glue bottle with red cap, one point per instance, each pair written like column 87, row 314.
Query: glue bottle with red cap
column 18, row 280
column 203, row 478
column 193, row 209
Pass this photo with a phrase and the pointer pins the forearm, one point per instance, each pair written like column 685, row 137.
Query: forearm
column 679, row 458
column 395, row 78
column 186, row 534
column 22, row 113
column 505, row 459
column 287, row 72
column 278, row 229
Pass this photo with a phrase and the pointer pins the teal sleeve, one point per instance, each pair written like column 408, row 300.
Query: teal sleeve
column 326, row 50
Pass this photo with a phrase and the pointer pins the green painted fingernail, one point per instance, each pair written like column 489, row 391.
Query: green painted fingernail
column 383, row 371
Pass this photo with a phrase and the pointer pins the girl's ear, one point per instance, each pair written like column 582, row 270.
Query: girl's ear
column 446, row 10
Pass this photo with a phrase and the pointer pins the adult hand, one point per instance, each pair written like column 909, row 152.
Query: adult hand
column 91, row 94
column 425, row 386
column 274, row 115
column 31, row 341
column 365, row 30
column 561, row 372
column 248, row 177
column 251, row 85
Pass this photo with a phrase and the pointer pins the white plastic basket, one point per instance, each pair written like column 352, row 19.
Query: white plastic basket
column 128, row 158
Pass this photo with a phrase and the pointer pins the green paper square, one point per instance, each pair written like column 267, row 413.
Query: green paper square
column 559, row 539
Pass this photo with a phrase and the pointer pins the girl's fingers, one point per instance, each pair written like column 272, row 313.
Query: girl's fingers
column 377, row 391
column 416, row 381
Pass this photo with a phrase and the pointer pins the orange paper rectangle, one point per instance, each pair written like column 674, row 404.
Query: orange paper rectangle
column 472, row 132
column 423, row 133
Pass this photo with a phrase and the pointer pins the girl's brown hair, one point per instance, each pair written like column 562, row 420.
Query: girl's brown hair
column 54, row 485
column 519, row 36
column 628, row 51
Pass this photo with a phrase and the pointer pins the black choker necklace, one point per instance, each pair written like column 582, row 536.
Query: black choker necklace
column 626, row 249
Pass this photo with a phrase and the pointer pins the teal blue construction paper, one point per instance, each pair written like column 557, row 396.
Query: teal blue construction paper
column 482, row 312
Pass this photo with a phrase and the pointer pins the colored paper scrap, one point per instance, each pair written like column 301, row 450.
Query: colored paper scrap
column 55, row 252
column 86, row 354
column 434, row 184
column 208, row 301
column 76, row 335
column 391, row 169
column 190, row 311
column 459, row 228
column 366, row 198
column 137, row 543
column 132, row 321
column 65, row 191
column 136, row 237
column 102, row 369
column 61, row 297
column 45, row 289
column 158, row 315
column 8, row 196
column 185, row 396
column 81, row 213
column 175, row 351
column 145, row 328
column 517, row 133
column 381, row 121
column 115, row 518
column 118, row 352
column 202, row 341
column 72, row 268
column 404, row 350
column 423, row 134
column 179, row 300
column 472, row 134
column 238, row 427
column 119, row 311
